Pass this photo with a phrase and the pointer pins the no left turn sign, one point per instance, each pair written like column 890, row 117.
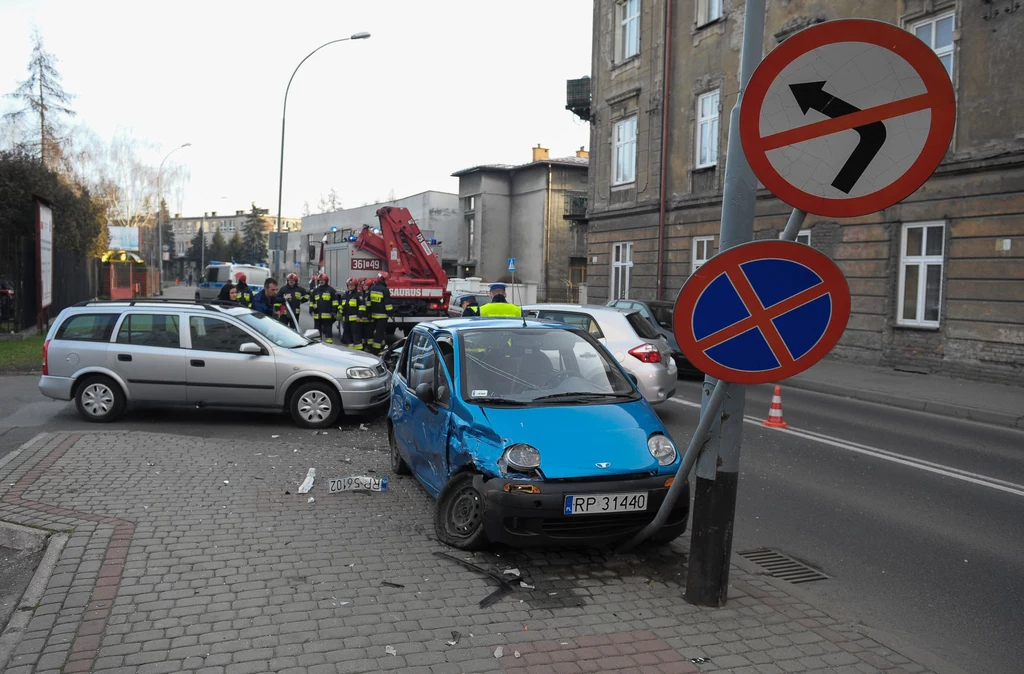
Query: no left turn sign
column 847, row 117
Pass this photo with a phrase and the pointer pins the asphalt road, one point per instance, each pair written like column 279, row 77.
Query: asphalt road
column 932, row 553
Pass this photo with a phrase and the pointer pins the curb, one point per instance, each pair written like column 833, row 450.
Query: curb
column 15, row 629
column 918, row 405
column 919, row 655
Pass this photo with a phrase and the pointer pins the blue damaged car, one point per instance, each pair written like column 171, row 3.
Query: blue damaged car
column 528, row 433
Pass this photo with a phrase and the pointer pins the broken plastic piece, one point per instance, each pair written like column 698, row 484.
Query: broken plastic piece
column 499, row 651
column 511, row 572
column 364, row 427
column 455, row 638
column 390, row 650
column 526, row 586
column 504, row 586
column 275, row 437
column 699, row 661
column 307, row 484
column 226, row 482
column 388, row 583
column 312, row 499
column 518, row 654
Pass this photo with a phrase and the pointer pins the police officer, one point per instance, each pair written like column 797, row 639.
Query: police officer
column 245, row 293
column 499, row 306
column 348, row 314
column 324, row 302
column 469, row 306
column 295, row 295
column 380, row 310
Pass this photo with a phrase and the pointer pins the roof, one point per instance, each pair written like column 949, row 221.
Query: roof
column 457, row 324
column 589, row 308
column 582, row 162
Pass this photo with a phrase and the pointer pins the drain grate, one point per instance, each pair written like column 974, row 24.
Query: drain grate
column 783, row 566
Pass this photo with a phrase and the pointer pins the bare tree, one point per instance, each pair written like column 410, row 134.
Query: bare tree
column 45, row 98
column 128, row 184
column 330, row 203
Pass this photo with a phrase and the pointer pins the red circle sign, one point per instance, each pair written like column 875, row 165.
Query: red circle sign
column 761, row 312
column 849, row 75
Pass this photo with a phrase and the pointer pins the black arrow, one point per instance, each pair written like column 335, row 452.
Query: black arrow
column 872, row 136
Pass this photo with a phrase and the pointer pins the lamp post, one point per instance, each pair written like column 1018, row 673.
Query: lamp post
column 159, row 219
column 279, row 248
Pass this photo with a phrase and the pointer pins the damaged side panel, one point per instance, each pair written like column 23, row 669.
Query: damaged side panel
column 473, row 445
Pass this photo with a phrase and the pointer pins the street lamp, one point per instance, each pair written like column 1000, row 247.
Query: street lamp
column 279, row 249
column 159, row 218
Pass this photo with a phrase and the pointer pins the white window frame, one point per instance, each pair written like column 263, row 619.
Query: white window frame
column 710, row 120
column 621, row 269
column 470, row 237
column 624, row 151
column 949, row 50
column 470, row 204
column 627, row 33
column 709, row 251
column 708, row 11
column 922, row 262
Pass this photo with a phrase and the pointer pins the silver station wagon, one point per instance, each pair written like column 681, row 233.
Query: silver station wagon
column 104, row 355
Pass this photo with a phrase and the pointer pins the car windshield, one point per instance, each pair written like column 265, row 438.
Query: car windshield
column 538, row 365
column 663, row 315
column 272, row 330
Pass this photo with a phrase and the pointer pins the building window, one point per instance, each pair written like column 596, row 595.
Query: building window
column 470, row 204
column 921, row 259
column 703, row 250
column 470, row 237
column 624, row 152
column 577, row 270
column 707, row 129
column 622, row 262
column 708, row 11
column 937, row 33
column 628, row 36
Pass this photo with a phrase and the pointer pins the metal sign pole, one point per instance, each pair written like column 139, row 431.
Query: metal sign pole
column 714, row 508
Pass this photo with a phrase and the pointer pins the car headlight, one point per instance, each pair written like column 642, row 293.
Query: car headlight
column 360, row 373
column 662, row 449
column 522, row 458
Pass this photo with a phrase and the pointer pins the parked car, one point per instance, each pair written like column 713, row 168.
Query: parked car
column 217, row 274
column 455, row 311
column 529, row 433
column 628, row 337
column 104, row 355
column 659, row 314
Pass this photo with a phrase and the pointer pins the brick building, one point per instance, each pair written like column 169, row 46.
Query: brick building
column 937, row 280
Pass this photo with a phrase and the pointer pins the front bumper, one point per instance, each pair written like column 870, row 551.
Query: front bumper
column 58, row 388
column 540, row 519
column 365, row 394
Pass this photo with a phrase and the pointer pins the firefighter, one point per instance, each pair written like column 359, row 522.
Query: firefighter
column 380, row 310
column 324, row 301
column 295, row 295
column 365, row 327
column 314, row 283
column 245, row 293
column 499, row 306
column 348, row 314
column 469, row 306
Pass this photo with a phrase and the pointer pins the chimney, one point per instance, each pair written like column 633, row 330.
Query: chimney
column 582, row 154
column 213, row 214
column 540, row 153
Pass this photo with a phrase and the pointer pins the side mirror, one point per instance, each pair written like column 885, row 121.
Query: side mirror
column 425, row 392
column 312, row 335
column 632, row 377
column 251, row 348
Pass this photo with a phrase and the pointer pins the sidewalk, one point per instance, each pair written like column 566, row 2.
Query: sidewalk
column 194, row 555
column 996, row 404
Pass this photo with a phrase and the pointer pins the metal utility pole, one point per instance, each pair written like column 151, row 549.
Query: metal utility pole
column 279, row 250
column 159, row 219
column 714, row 507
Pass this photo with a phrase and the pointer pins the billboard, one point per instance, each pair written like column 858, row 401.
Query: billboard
column 123, row 238
column 44, row 252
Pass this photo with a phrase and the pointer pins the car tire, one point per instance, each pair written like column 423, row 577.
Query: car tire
column 459, row 518
column 398, row 464
column 99, row 399
column 315, row 405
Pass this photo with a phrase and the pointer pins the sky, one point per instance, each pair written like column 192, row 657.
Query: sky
column 439, row 86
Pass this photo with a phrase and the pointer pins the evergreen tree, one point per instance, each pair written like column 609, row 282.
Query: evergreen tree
column 195, row 249
column 255, row 237
column 236, row 248
column 218, row 248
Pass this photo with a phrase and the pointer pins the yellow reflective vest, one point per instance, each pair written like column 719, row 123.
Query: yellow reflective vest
column 501, row 310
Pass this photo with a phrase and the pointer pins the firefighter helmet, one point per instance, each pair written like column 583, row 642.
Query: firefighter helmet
column 324, row 278
column 383, row 276
column 240, row 277
column 351, row 281
column 292, row 277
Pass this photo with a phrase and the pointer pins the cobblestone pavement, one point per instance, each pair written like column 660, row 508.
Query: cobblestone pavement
column 195, row 555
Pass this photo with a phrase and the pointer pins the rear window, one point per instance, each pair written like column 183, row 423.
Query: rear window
column 642, row 326
column 88, row 328
column 583, row 321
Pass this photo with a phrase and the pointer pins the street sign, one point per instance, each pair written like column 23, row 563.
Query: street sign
column 511, row 264
column 761, row 311
column 847, row 117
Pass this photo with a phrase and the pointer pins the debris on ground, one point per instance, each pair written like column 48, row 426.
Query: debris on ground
column 455, row 638
column 312, row 499
column 226, row 482
column 511, row 572
column 364, row 427
column 274, row 437
column 499, row 651
column 388, row 583
column 526, row 586
column 316, row 432
column 518, row 654
column 390, row 650
column 504, row 586
column 699, row 661
column 307, row 484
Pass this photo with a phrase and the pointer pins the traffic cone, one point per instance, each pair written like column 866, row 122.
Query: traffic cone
column 775, row 419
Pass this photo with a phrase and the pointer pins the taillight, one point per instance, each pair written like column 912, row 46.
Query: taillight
column 647, row 353
column 46, row 352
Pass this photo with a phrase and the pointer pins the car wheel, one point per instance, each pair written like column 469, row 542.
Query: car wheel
column 459, row 521
column 99, row 399
column 398, row 464
column 315, row 405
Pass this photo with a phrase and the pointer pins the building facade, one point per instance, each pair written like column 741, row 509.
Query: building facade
column 937, row 280
column 181, row 230
column 534, row 213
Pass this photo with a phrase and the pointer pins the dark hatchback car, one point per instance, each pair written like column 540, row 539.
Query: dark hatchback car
column 659, row 314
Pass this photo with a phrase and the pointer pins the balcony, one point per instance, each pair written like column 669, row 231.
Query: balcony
column 575, row 206
column 577, row 97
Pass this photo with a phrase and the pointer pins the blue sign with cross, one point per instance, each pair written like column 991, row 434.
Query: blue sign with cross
column 761, row 312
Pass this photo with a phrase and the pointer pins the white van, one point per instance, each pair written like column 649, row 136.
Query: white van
column 219, row 273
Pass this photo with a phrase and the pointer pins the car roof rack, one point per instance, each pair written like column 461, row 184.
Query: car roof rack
column 205, row 304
